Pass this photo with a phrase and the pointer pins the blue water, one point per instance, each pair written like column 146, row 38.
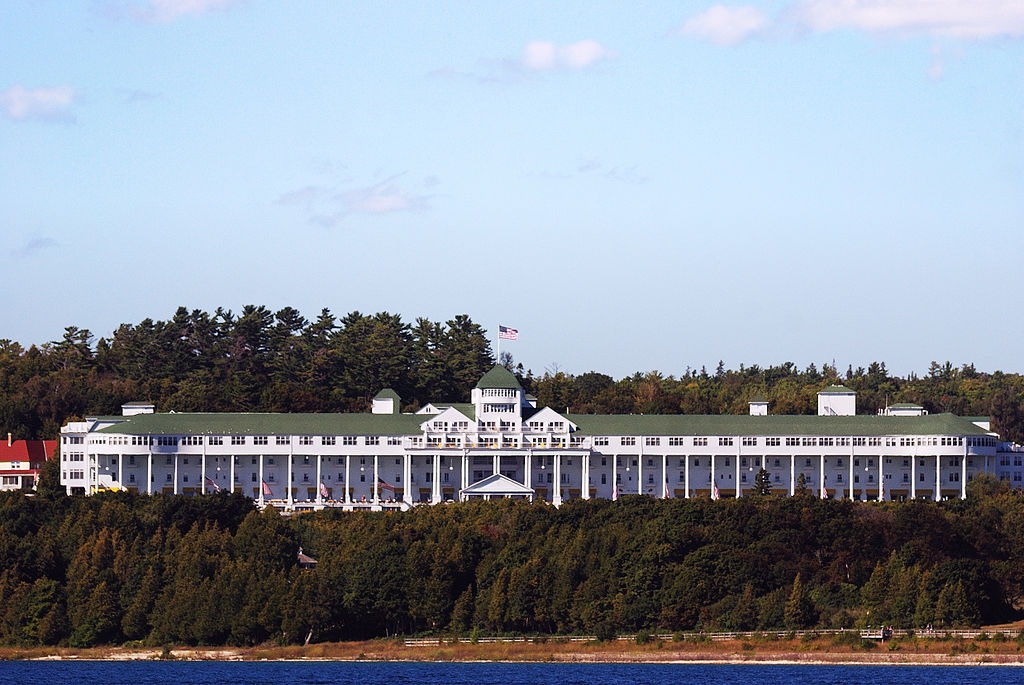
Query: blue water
column 345, row 673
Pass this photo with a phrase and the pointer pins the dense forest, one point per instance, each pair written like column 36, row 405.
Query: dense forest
column 119, row 567
column 258, row 360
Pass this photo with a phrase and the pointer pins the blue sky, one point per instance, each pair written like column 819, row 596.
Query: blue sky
column 632, row 188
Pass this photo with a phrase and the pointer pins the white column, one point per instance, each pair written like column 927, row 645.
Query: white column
column 261, row 481
column 120, row 470
column 792, row 474
column 435, row 490
column 202, row 466
column 556, row 498
column 465, row 470
column 495, row 464
column 738, row 442
column 640, row 473
column 963, row 475
column 615, row 477
column 348, row 492
column 232, row 474
column 289, row 476
column 664, row 476
column 686, row 477
column 938, row 477
column 881, row 479
column 175, row 473
column 714, row 482
column 585, row 488
column 149, row 467
column 376, row 480
column 407, row 478
column 913, row 476
column 821, row 476
column 852, row 451
column 319, row 479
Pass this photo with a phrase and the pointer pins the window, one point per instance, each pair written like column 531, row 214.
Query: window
column 237, row 439
column 792, row 442
column 326, row 439
column 131, row 477
column 652, row 442
column 700, row 442
column 772, row 442
column 166, row 441
column 305, row 439
column 259, row 440
column 253, row 477
column 675, row 442
column 281, row 440
column 725, row 442
column 370, row 440
column 192, row 440
column 348, row 440
column 600, row 442
column 750, row 442
column 627, row 442
column 216, row 439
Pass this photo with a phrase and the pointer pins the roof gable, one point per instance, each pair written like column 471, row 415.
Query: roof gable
column 498, row 485
column 450, row 415
column 498, row 377
column 547, row 414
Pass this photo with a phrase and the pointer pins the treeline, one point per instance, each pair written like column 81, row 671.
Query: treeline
column 258, row 360
column 119, row 567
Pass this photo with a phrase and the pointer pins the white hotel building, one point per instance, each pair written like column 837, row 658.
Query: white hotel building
column 501, row 445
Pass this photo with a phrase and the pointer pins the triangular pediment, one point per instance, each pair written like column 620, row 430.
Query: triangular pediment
column 450, row 416
column 500, row 486
column 548, row 416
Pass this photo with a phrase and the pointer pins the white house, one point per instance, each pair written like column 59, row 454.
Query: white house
column 501, row 445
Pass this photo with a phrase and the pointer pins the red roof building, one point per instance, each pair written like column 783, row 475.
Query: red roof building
column 21, row 461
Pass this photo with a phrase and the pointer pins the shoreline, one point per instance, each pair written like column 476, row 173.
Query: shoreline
column 906, row 653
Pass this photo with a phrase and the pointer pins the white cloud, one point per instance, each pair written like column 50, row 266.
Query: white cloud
column 39, row 103
column 541, row 55
column 328, row 206
column 726, row 25
column 971, row 19
column 166, row 11
column 34, row 247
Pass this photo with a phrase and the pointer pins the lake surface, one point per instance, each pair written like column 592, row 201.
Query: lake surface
column 347, row 673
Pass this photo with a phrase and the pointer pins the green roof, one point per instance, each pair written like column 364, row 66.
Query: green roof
column 743, row 424
column 269, row 424
column 589, row 424
column 837, row 389
column 387, row 394
column 498, row 377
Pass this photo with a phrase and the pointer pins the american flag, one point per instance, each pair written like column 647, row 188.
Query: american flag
column 323, row 490
column 212, row 484
column 266, row 490
column 508, row 333
column 714, row 491
column 384, row 485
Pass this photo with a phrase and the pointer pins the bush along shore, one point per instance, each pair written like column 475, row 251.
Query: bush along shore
column 120, row 568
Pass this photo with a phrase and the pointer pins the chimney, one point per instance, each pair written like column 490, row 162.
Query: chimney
column 10, row 440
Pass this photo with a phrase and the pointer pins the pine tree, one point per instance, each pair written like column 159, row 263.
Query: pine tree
column 763, row 482
column 799, row 610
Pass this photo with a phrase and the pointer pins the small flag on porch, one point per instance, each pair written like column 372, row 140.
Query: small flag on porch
column 323, row 490
column 384, row 485
column 266, row 490
column 212, row 484
column 508, row 333
column 824, row 492
column 666, row 489
column 714, row 491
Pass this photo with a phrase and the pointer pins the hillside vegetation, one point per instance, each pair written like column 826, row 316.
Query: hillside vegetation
column 119, row 567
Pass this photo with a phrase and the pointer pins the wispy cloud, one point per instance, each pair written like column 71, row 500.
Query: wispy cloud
column 956, row 19
column 166, row 11
column 33, row 247
column 968, row 19
column 542, row 55
column 724, row 25
column 328, row 206
column 20, row 103
column 538, row 56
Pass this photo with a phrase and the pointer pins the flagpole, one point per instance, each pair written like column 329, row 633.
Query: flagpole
column 499, row 343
